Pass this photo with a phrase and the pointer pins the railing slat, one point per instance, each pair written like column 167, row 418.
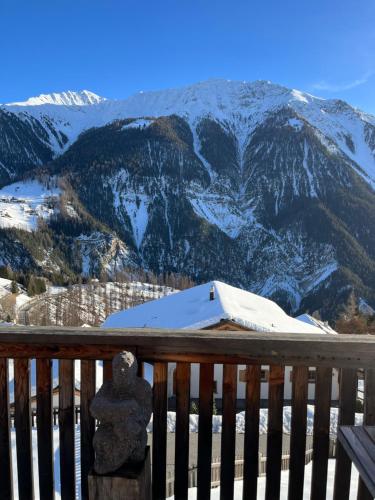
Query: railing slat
column 322, row 407
column 66, row 426
column 298, row 432
column 6, row 485
column 206, row 386
column 22, row 420
column 368, row 419
column 87, row 422
column 44, row 427
column 159, row 432
column 181, row 483
column 275, row 431
column 251, row 440
column 107, row 369
column 228, row 432
column 348, row 395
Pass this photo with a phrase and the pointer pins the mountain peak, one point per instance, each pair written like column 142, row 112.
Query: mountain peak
column 68, row 98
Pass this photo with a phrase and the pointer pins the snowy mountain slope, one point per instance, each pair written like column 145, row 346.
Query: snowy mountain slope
column 241, row 106
column 69, row 98
column 254, row 184
column 23, row 203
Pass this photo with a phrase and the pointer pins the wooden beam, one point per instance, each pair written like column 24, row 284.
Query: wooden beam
column 44, row 422
column 228, row 432
column 181, row 463
column 251, row 440
column 368, row 419
column 323, row 388
column 238, row 347
column 6, row 476
column 66, row 428
column 275, row 432
column 22, row 420
column 88, row 387
column 159, row 432
column 300, row 376
column 206, row 386
column 348, row 396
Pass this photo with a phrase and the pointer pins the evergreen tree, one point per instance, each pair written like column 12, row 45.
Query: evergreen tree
column 14, row 287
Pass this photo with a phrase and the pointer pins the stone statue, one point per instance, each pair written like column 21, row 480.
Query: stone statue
column 123, row 408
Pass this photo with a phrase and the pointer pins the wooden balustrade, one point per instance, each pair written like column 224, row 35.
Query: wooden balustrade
column 301, row 351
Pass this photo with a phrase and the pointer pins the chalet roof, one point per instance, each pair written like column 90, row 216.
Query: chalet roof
column 193, row 309
column 310, row 320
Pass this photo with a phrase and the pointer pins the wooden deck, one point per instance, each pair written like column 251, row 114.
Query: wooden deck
column 325, row 352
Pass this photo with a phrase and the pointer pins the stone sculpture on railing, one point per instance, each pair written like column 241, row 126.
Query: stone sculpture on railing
column 123, row 408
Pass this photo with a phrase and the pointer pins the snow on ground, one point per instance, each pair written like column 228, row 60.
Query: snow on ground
column 23, row 203
column 221, row 211
column 192, row 309
column 140, row 123
column 5, row 287
column 238, row 485
column 263, row 421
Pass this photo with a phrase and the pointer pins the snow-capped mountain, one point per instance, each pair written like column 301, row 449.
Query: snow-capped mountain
column 68, row 98
column 264, row 187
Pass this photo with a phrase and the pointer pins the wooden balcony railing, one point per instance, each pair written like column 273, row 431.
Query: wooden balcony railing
column 347, row 353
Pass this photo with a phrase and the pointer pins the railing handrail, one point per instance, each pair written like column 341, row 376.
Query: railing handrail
column 194, row 346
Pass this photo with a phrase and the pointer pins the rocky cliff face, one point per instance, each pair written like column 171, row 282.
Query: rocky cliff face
column 263, row 187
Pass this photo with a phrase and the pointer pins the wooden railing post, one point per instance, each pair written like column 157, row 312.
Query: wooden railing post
column 228, row 432
column 368, row 419
column 66, row 427
column 44, row 427
column 275, row 431
column 159, row 432
column 348, row 395
column 321, row 439
column 181, row 463
column 88, row 386
column 6, row 473
column 206, row 386
column 300, row 376
column 251, row 440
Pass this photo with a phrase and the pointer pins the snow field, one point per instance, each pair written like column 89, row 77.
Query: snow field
column 238, row 485
column 23, row 203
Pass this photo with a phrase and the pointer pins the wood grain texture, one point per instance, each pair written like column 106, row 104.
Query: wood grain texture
column 359, row 445
column 6, row 485
column 190, row 346
column 88, row 385
column 22, row 420
column 206, row 387
column 107, row 369
column 159, row 433
column 66, row 428
column 44, row 414
column 368, row 419
column 323, row 388
column 251, row 440
column 228, row 432
column 181, row 466
column 275, row 431
column 348, row 395
column 300, row 377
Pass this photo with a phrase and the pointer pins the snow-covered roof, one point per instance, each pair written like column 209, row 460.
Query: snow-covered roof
column 193, row 309
column 323, row 325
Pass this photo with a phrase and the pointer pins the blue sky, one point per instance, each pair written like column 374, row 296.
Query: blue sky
column 116, row 48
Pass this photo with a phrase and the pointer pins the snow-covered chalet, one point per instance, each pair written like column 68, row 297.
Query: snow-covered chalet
column 218, row 306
